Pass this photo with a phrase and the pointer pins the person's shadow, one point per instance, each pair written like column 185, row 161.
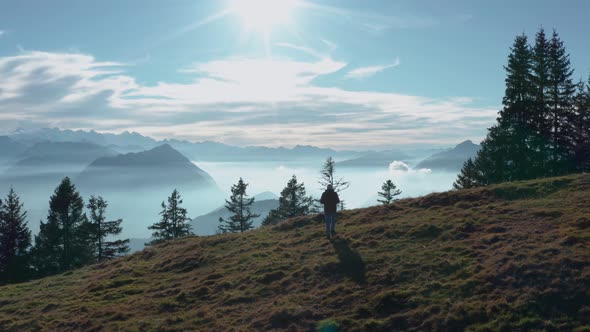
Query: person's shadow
column 351, row 261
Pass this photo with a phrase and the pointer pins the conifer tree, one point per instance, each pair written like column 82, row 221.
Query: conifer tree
column 388, row 193
column 467, row 177
column 160, row 229
column 560, row 101
column 518, row 107
column 505, row 154
column 541, row 129
column 63, row 242
column 328, row 177
column 15, row 240
column 239, row 204
column 581, row 127
column 102, row 230
column 539, row 123
column 292, row 203
column 174, row 221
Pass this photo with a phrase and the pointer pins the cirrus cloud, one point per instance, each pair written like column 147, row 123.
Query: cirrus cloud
column 364, row 72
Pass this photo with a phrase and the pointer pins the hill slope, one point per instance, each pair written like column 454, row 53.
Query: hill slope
column 507, row 257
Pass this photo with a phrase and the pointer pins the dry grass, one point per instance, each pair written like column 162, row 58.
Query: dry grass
column 509, row 257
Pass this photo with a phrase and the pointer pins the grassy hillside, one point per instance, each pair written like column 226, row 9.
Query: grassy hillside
column 509, row 257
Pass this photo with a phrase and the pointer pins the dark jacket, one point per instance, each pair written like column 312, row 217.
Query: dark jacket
column 330, row 200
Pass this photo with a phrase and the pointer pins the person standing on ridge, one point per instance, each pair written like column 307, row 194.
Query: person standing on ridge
column 330, row 200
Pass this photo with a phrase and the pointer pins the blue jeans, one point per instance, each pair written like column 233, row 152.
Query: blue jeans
column 330, row 223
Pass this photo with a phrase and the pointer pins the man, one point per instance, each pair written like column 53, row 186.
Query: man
column 330, row 200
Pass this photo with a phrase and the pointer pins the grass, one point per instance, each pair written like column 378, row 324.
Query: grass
column 510, row 257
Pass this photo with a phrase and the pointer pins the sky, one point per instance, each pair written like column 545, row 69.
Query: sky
column 342, row 74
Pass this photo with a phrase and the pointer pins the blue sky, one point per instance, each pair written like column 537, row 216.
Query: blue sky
column 342, row 74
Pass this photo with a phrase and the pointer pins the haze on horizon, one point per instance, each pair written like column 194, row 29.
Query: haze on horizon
column 317, row 72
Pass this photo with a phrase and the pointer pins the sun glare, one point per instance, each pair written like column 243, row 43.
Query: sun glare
column 263, row 15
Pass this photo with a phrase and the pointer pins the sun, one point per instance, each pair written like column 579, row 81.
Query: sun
column 264, row 15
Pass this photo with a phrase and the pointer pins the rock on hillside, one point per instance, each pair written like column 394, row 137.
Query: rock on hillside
column 508, row 257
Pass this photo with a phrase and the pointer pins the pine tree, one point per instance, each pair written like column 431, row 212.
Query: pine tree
column 15, row 240
column 328, row 178
column 581, row 127
column 539, row 121
column 101, row 230
column 292, row 203
column 518, row 107
column 174, row 221
column 467, row 177
column 388, row 193
column 161, row 229
column 560, row 100
column 540, row 130
column 178, row 216
column 239, row 204
column 63, row 242
column 504, row 154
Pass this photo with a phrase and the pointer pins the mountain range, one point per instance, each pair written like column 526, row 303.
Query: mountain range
column 47, row 163
column 198, row 151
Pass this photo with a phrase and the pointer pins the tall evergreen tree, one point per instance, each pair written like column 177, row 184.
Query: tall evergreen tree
column 388, row 192
column 63, row 242
column 539, row 120
column 581, row 127
column 102, row 230
column 560, row 101
column 174, row 221
column 517, row 110
column 505, row 153
column 467, row 177
column 239, row 204
column 15, row 240
column 293, row 202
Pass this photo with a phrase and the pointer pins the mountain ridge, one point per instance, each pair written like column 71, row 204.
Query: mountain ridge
column 451, row 159
column 161, row 164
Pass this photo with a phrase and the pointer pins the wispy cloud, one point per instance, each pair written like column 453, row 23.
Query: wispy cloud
column 303, row 49
column 2, row 33
column 374, row 21
column 364, row 72
column 236, row 100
